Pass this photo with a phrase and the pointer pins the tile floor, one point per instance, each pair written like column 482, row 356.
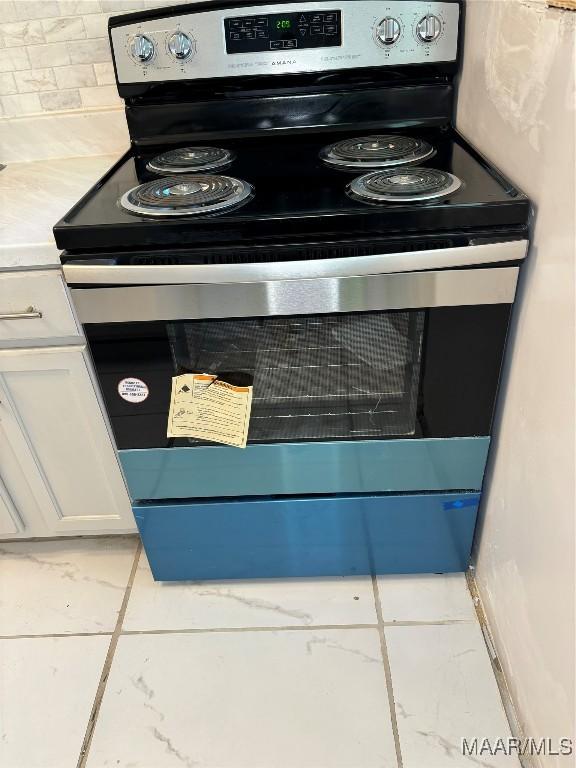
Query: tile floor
column 100, row 667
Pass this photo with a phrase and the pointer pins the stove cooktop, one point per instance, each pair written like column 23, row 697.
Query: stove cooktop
column 287, row 186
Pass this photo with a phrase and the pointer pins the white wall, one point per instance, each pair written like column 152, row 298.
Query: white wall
column 58, row 96
column 55, row 55
column 516, row 104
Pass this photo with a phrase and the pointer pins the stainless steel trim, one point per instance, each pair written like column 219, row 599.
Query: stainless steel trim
column 297, row 297
column 360, row 46
column 29, row 314
column 443, row 258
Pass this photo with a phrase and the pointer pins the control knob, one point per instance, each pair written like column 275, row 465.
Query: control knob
column 180, row 46
column 429, row 28
column 388, row 31
column 141, row 48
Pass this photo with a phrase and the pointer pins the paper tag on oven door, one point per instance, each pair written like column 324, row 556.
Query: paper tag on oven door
column 208, row 409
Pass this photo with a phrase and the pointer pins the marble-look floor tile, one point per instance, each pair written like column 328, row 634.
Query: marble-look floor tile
column 258, row 603
column 445, row 690
column 47, row 689
column 426, row 598
column 63, row 587
column 284, row 699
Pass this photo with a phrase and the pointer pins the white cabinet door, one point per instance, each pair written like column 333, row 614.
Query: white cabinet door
column 19, row 511
column 51, row 417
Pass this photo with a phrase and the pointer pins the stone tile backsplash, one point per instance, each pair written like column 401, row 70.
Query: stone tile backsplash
column 55, row 55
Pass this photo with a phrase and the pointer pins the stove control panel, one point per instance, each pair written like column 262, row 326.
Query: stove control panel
column 285, row 38
column 299, row 30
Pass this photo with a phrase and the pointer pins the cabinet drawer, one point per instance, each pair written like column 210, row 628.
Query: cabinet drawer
column 35, row 305
column 331, row 536
column 297, row 469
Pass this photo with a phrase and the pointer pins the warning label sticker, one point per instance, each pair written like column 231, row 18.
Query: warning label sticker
column 206, row 408
column 133, row 390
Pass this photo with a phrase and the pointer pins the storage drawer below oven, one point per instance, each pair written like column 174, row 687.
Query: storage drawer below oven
column 322, row 536
column 300, row 469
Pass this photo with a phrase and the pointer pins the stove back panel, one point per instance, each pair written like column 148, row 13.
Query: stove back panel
column 183, row 75
column 234, row 41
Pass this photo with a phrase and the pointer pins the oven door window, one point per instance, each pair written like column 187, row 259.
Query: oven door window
column 324, row 377
column 430, row 373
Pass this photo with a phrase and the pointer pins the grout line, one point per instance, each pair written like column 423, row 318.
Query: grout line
column 284, row 628
column 387, row 670
column 78, row 537
column 238, row 630
column 107, row 664
column 439, row 623
column 56, row 634
column 208, row 630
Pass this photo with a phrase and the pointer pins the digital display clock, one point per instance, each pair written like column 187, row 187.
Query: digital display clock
column 283, row 32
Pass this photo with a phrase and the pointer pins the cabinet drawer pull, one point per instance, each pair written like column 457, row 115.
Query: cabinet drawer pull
column 29, row 314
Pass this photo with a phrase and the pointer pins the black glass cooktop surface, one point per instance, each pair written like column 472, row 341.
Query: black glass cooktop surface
column 294, row 194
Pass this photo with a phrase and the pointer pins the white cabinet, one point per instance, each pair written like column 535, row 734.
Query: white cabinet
column 59, row 470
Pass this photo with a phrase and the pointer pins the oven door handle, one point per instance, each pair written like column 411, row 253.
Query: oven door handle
column 87, row 272
column 285, row 298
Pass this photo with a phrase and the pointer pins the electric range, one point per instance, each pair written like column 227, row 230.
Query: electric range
column 297, row 212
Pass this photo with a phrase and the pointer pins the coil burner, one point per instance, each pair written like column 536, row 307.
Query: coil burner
column 379, row 151
column 186, row 196
column 408, row 185
column 191, row 160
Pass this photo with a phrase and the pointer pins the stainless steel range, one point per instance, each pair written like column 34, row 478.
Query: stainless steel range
column 297, row 214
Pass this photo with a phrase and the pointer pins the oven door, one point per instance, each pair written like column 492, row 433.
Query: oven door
column 364, row 383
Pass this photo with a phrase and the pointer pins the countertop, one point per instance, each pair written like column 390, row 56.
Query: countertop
column 33, row 197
